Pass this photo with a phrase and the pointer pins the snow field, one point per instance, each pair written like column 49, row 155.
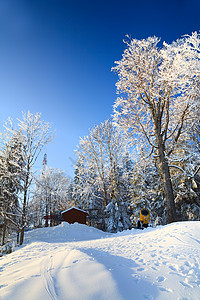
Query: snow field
column 160, row 263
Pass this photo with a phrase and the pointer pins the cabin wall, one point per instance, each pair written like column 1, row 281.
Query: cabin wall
column 73, row 216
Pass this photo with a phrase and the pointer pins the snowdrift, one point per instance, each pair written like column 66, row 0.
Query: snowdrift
column 81, row 263
column 64, row 232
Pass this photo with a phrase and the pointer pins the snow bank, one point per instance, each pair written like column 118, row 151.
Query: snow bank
column 155, row 263
column 64, row 232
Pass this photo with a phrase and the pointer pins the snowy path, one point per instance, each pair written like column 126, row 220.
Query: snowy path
column 161, row 263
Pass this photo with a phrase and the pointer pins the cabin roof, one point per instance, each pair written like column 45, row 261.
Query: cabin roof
column 75, row 209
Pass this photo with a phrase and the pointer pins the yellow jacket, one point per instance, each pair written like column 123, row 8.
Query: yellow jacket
column 145, row 216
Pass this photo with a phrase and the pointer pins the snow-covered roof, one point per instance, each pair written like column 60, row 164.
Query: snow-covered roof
column 73, row 208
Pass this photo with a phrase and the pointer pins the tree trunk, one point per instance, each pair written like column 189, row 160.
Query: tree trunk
column 47, row 211
column 23, row 218
column 105, row 195
column 171, row 210
column 39, row 212
column 4, row 232
column 24, row 206
column 18, row 237
column 50, row 210
column 170, row 204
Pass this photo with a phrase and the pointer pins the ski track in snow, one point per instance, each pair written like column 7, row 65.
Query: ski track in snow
column 161, row 263
column 47, row 278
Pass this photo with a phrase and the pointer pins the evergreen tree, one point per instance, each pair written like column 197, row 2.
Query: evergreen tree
column 11, row 172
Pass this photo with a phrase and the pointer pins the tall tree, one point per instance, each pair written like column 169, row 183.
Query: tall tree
column 33, row 134
column 97, row 175
column 159, row 90
column 11, row 172
column 53, row 193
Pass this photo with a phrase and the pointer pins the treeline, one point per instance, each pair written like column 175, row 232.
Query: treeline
column 146, row 156
column 21, row 145
column 113, row 186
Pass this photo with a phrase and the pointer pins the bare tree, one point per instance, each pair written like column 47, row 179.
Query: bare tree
column 53, row 193
column 159, row 90
column 100, row 153
column 33, row 134
column 100, row 156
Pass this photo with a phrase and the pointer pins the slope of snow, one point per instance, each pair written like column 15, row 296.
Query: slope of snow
column 64, row 232
column 80, row 263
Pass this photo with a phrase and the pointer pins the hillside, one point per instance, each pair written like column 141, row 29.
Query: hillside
column 80, row 262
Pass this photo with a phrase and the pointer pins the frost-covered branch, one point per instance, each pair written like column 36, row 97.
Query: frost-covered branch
column 160, row 91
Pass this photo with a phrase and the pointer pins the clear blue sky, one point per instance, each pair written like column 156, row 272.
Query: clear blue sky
column 56, row 58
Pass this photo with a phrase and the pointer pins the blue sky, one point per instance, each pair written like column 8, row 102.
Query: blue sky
column 56, row 58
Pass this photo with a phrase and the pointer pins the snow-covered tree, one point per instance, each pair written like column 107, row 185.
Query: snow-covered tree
column 125, row 177
column 97, row 175
column 185, row 178
column 11, row 172
column 53, row 193
column 84, row 184
column 117, row 218
column 33, row 134
column 159, row 95
column 147, row 190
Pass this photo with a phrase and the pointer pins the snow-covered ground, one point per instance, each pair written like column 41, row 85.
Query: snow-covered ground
column 80, row 262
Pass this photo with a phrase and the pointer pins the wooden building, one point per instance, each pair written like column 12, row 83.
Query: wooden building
column 73, row 215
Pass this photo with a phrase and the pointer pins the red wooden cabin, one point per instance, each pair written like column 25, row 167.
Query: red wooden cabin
column 73, row 215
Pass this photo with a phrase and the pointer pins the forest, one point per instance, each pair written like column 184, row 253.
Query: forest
column 145, row 156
